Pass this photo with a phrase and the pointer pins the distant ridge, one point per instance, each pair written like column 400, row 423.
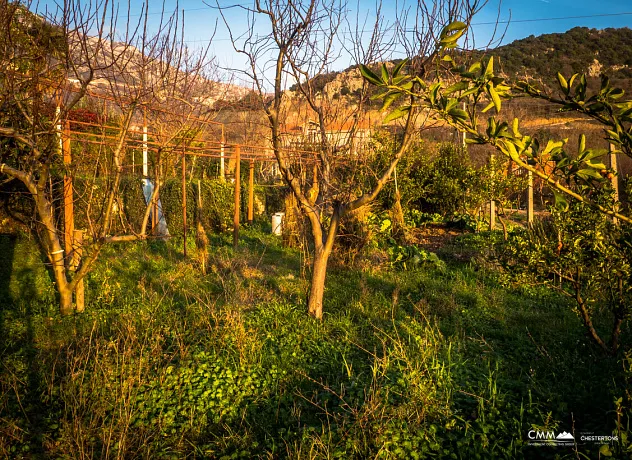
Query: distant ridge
column 579, row 50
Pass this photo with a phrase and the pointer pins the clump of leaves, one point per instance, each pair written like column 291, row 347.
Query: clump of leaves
column 407, row 256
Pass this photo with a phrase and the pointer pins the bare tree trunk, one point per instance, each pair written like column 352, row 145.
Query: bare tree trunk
column 54, row 250
column 65, row 300
column 317, row 288
column 322, row 251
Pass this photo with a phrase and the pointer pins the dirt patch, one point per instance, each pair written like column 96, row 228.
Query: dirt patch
column 434, row 237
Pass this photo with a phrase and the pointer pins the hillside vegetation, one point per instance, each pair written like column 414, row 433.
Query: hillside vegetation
column 578, row 50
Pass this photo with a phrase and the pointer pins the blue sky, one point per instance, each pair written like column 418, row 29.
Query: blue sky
column 528, row 17
column 199, row 17
column 542, row 10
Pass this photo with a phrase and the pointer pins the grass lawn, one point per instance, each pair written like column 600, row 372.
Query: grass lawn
column 167, row 362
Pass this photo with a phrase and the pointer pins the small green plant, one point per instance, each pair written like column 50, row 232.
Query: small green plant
column 406, row 256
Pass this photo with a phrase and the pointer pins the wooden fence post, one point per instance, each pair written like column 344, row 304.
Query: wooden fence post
column 145, row 148
column 615, row 177
column 492, row 203
column 69, row 215
column 237, row 197
column 464, row 133
column 222, row 166
column 73, row 239
column 529, row 197
column 76, row 260
column 184, row 201
column 251, row 191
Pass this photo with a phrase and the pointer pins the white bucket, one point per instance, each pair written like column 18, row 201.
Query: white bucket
column 277, row 223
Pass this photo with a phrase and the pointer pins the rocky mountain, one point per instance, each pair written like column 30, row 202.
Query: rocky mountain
column 123, row 69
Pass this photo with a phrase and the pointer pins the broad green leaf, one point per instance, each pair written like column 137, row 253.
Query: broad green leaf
column 397, row 113
column 474, row 140
column 460, row 86
column 563, row 83
column 582, row 143
column 399, row 67
column 598, row 166
column 379, row 96
column 553, row 145
column 589, row 173
column 475, row 67
column 489, row 70
column 390, row 98
column 596, row 107
column 560, row 201
column 491, row 104
column 399, row 80
column 458, row 113
column 434, row 90
column 495, row 98
column 452, row 102
column 613, row 135
column 616, row 93
column 384, row 73
column 625, row 115
column 593, row 153
column 469, row 92
column 514, row 127
column 451, row 33
column 511, row 149
column 369, row 76
column 455, row 26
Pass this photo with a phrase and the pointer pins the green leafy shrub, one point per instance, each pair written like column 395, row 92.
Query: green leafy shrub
column 406, row 256
column 581, row 253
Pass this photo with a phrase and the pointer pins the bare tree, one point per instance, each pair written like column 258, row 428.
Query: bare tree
column 305, row 38
column 60, row 59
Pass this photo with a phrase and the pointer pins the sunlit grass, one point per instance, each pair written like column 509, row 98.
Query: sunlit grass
column 168, row 362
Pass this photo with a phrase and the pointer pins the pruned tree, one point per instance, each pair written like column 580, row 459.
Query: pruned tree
column 48, row 66
column 304, row 40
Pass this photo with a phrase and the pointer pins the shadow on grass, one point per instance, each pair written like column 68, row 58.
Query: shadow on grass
column 22, row 369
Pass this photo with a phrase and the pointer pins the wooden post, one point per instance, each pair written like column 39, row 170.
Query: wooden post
column 58, row 129
column 237, row 197
column 154, row 210
column 251, row 191
column 184, row 201
column 464, row 133
column 145, row 149
column 529, row 197
column 222, row 167
column 615, row 177
column 69, row 214
column 492, row 203
column 76, row 260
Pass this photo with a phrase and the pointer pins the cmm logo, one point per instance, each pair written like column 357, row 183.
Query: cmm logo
column 550, row 437
column 541, row 435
